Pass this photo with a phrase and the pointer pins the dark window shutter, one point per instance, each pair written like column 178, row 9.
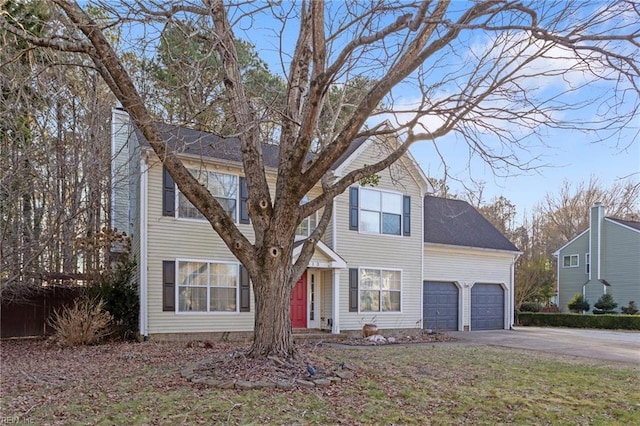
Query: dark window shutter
column 406, row 215
column 244, row 195
column 245, row 292
column 169, row 285
column 353, row 209
column 168, row 194
column 353, row 290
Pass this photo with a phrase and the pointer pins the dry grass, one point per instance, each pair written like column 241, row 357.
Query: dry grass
column 438, row 383
column 84, row 323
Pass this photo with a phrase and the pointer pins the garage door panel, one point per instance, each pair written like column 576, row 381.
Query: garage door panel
column 440, row 306
column 487, row 307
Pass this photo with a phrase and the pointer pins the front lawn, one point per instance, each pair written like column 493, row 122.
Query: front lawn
column 433, row 384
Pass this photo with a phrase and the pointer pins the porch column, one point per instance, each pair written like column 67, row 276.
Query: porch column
column 335, row 328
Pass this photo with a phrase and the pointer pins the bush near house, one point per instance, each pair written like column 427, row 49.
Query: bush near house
column 604, row 321
column 578, row 304
column 605, row 305
column 119, row 292
column 632, row 309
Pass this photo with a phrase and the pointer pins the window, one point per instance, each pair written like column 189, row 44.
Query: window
column 380, row 290
column 222, row 186
column 309, row 223
column 380, row 212
column 570, row 261
column 207, row 287
column 587, row 263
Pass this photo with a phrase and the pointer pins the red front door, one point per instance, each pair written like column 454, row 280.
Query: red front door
column 299, row 303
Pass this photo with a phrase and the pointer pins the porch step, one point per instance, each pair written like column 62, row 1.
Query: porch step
column 303, row 335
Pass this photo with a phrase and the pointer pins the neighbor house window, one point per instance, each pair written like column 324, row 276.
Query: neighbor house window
column 222, row 186
column 570, row 261
column 380, row 212
column 380, row 290
column 587, row 263
column 207, row 287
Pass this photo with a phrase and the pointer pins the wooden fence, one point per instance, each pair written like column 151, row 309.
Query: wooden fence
column 28, row 318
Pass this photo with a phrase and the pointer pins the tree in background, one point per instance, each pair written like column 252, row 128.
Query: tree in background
column 55, row 159
column 477, row 69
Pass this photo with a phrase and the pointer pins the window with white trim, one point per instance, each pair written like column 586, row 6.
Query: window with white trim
column 207, row 286
column 380, row 290
column 380, row 212
column 222, row 186
column 571, row 261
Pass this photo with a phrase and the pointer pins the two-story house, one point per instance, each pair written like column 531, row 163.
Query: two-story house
column 604, row 258
column 370, row 266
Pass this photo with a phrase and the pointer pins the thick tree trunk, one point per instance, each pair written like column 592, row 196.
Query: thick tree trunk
column 272, row 327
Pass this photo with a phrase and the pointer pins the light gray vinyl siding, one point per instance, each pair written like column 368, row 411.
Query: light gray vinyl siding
column 572, row 279
column 467, row 266
column 120, row 170
column 135, row 170
column 361, row 250
column 621, row 262
column 169, row 239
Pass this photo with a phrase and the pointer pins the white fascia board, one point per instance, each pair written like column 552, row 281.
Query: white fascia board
column 621, row 224
column 557, row 252
column 480, row 249
column 336, row 262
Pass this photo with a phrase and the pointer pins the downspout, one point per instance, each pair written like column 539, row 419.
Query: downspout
column 512, row 290
column 144, row 186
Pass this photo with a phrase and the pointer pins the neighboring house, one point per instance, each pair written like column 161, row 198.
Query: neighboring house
column 604, row 258
column 370, row 266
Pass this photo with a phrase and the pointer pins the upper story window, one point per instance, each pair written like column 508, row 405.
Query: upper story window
column 571, row 261
column 308, row 224
column 587, row 263
column 222, row 186
column 380, row 212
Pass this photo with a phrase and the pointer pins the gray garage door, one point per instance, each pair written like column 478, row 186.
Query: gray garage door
column 440, row 306
column 487, row 307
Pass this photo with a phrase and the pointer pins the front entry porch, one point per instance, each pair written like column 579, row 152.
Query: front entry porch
column 315, row 297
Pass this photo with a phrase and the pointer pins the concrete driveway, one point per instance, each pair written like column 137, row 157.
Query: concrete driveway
column 622, row 346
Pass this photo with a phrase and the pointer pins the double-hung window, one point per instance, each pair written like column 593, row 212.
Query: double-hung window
column 380, row 212
column 570, row 261
column 207, row 286
column 380, row 290
column 222, row 186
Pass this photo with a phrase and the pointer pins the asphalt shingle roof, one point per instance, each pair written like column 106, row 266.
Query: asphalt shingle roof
column 194, row 142
column 456, row 222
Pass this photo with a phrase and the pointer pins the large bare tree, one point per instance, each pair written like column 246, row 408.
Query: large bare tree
column 493, row 72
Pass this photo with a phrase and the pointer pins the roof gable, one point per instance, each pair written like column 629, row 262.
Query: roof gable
column 635, row 226
column 456, row 222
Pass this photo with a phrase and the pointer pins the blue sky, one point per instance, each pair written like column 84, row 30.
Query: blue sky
column 563, row 155
column 571, row 156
